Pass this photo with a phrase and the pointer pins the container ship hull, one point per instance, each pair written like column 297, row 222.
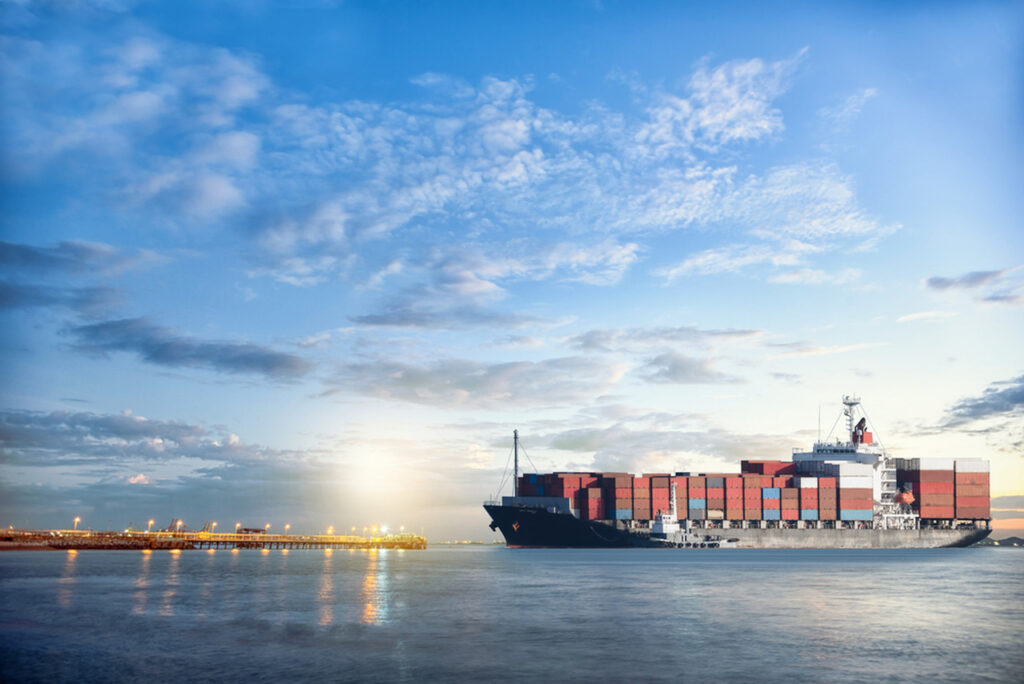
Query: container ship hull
column 533, row 527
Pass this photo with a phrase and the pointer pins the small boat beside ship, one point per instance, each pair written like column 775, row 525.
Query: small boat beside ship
column 843, row 493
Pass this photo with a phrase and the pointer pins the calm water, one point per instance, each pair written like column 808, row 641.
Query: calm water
column 485, row 614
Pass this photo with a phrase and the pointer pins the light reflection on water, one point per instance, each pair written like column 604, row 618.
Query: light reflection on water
column 529, row 615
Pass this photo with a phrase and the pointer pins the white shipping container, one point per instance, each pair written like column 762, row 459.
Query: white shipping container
column 971, row 465
column 807, row 482
column 931, row 464
column 856, row 482
column 852, row 469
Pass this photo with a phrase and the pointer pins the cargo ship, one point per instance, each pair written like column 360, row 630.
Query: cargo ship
column 844, row 493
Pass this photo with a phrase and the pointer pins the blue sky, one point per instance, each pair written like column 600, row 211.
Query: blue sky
column 312, row 264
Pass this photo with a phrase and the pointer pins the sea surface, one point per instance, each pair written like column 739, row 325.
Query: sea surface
column 495, row 614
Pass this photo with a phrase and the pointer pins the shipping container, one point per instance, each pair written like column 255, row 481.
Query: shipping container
column 716, row 514
column 697, row 504
column 972, row 490
column 971, row 465
column 716, row 483
column 865, row 514
column 933, row 487
column 696, row 514
column 826, row 514
column 940, row 512
column 973, row 513
column 768, row 514
column 772, row 504
column 735, row 482
column 808, row 513
column 790, row 513
column 855, row 482
column 659, row 482
column 972, row 478
column 804, row 482
column 972, row 502
column 770, row 493
column 623, row 514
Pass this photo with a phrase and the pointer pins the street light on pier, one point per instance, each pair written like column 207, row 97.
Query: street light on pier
column 213, row 528
column 287, row 527
column 402, row 528
column 178, row 526
column 267, row 527
column 330, row 530
column 149, row 526
column 237, row 525
column 77, row 520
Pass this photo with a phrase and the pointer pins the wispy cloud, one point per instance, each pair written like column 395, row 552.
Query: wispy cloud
column 644, row 338
column 926, row 316
column 846, row 111
column 1003, row 286
column 1002, row 399
column 461, row 383
column 162, row 346
column 823, row 350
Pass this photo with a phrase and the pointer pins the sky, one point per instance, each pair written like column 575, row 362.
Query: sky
column 311, row 263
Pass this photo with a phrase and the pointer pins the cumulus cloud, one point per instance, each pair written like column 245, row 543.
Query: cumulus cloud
column 162, row 346
column 678, row 369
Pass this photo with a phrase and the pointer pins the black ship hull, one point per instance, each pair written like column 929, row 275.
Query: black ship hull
column 526, row 527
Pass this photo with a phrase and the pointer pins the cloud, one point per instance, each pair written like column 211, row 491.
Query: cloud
column 926, row 316
column 845, row 112
column 810, row 276
column 162, row 346
column 1003, row 286
column 1003, row 399
column 965, row 282
column 461, row 383
column 1012, row 502
column 678, row 369
column 631, row 338
column 85, row 301
column 72, row 257
column 801, row 350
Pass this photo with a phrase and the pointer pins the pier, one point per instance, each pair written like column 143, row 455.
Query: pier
column 188, row 540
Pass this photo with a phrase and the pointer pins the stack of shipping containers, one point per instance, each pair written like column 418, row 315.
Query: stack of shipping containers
column 772, row 491
column 971, row 489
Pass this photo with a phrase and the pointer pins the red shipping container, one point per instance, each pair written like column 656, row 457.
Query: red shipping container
column 808, row 499
column 698, row 493
column 972, row 478
column 973, row 513
column 826, row 483
column 592, row 493
column 771, row 504
column 782, row 482
column 855, row 493
column 827, row 514
column 680, row 484
column 752, row 514
column 641, row 483
column 623, row 492
column 972, row 502
column 697, row 481
column 790, row 514
column 659, row 482
column 734, row 494
column 587, row 481
column 945, row 512
column 733, row 513
column 971, row 490
column 934, row 487
column 929, row 476
column 856, row 504
column 935, row 500
column 716, row 504
column 735, row 482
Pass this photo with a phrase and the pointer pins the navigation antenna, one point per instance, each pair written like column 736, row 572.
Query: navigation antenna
column 515, row 463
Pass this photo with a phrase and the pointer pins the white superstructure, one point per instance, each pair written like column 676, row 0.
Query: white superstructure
column 859, row 462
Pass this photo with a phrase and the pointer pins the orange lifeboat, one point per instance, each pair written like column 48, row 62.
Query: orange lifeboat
column 905, row 498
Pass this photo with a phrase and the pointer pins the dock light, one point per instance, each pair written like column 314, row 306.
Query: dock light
column 330, row 530
column 237, row 525
column 286, row 528
column 149, row 525
column 77, row 520
column 374, row 529
column 214, row 528
column 383, row 529
column 402, row 528
column 178, row 526
column 353, row 529
column 267, row 526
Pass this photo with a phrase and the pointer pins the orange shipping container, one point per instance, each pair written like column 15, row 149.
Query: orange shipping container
column 972, row 478
column 972, row 490
column 972, row 502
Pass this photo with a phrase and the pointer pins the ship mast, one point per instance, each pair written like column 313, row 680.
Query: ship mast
column 515, row 462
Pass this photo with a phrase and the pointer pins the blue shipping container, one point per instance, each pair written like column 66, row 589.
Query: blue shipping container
column 698, row 504
column 771, row 493
column 771, row 515
column 856, row 515
column 540, row 490
column 809, row 514
column 621, row 514
column 533, row 478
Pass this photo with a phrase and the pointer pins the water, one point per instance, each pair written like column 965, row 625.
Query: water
column 486, row 614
